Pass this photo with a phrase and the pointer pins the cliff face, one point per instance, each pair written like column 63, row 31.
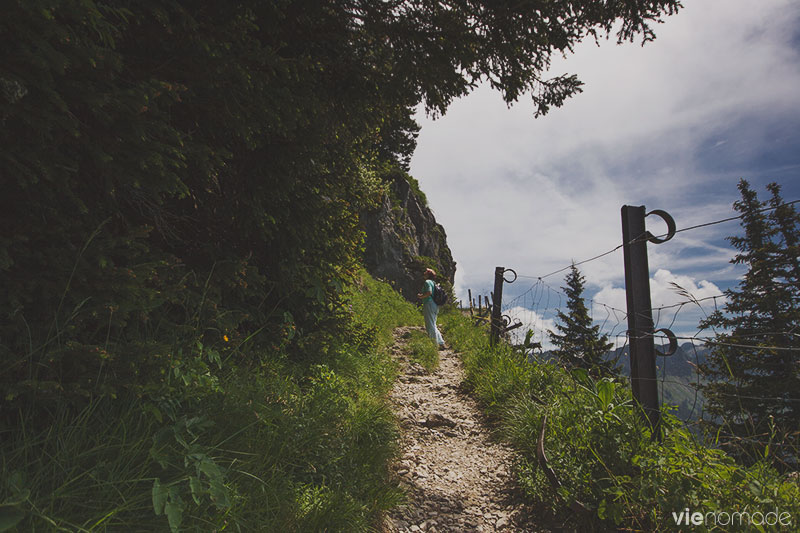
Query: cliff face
column 403, row 239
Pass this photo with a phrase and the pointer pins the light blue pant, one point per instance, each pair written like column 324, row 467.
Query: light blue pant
column 430, row 311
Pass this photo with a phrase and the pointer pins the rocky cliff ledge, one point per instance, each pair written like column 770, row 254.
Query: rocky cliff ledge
column 403, row 238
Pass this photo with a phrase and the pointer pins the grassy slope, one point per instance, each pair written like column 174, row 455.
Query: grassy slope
column 278, row 446
column 599, row 449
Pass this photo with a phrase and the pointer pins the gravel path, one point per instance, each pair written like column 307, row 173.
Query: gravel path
column 456, row 477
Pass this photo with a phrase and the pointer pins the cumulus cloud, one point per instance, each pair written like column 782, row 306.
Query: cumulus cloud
column 671, row 125
column 538, row 321
column 673, row 299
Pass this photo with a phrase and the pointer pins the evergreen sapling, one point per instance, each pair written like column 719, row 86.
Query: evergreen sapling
column 579, row 343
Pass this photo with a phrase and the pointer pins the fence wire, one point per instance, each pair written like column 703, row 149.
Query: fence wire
column 679, row 378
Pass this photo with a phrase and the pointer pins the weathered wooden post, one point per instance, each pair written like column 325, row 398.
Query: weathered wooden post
column 640, row 314
column 497, row 304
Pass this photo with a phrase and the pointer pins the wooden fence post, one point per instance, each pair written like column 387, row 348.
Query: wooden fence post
column 640, row 315
column 497, row 304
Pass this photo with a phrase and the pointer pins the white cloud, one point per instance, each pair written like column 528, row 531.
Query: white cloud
column 672, row 307
column 532, row 320
column 662, row 290
column 670, row 125
column 679, row 303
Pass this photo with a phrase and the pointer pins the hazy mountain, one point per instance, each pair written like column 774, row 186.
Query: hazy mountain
column 676, row 375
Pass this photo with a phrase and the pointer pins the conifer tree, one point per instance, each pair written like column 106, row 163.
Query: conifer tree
column 579, row 343
column 752, row 373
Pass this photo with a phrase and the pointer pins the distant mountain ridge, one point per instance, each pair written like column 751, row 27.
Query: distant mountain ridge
column 682, row 363
column 676, row 375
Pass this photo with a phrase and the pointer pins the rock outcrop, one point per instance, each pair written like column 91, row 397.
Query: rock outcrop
column 403, row 238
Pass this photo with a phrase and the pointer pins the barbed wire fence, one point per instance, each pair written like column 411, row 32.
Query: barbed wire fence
column 536, row 309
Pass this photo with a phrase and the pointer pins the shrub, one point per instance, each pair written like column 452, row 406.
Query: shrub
column 601, row 450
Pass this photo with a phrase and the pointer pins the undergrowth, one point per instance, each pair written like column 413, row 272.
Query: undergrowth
column 602, row 453
column 272, row 443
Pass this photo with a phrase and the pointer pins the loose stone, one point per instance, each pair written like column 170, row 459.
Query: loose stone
column 456, row 478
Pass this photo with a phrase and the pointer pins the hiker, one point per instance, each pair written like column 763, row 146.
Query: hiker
column 429, row 308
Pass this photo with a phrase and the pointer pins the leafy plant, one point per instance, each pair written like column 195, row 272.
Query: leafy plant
column 601, row 450
column 246, row 438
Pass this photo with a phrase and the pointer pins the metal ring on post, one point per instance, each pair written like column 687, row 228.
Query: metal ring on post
column 673, row 342
column 506, row 320
column 509, row 270
column 666, row 217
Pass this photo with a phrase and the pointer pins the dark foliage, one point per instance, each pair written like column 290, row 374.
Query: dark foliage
column 753, row 368
column 579, row 343
column 178, row 175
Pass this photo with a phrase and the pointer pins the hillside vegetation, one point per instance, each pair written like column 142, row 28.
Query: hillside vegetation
column 611, row 473
column 183, row 179
column 181, row 188
column 275, row 445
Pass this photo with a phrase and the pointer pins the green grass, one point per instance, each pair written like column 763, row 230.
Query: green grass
column 423, row 350
column 273, row 443
column 601, row 450
column 83, row 472
column 375, row 303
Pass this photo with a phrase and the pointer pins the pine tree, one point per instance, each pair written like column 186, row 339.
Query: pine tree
column 579, row 343
column 752, row 375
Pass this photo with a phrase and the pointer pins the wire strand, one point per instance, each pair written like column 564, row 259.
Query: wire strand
column 646, row 237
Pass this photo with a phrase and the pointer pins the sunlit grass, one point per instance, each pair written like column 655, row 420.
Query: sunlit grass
column 423, row 350
column 600, row 448
column 277, row 444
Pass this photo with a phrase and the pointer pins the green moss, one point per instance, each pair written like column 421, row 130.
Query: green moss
column 415, row 189
column 395, row 175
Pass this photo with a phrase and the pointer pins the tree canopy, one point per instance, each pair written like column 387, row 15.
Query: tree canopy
column 178, row 172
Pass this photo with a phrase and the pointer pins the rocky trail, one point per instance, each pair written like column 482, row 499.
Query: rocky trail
column 456, row 477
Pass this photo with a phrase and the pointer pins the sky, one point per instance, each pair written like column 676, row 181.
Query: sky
column 671, row 125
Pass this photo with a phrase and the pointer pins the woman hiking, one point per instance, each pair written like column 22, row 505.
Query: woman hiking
column 429, row 308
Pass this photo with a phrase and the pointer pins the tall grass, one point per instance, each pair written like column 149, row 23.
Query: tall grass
column 82, row 473
column 423, row 350
column 272, row 444
column 377, row 304
column 602, row 452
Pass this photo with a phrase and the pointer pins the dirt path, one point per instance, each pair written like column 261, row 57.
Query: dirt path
column 456, row 477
